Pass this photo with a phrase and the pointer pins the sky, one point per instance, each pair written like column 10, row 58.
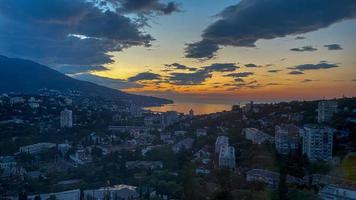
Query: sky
column 212, row 51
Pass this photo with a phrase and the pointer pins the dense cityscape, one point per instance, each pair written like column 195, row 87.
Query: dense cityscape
column 66, row 145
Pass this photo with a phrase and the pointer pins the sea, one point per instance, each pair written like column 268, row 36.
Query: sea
column 198, row 108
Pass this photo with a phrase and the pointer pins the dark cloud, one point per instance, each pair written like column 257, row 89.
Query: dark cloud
column 321, row 65
column 145, row 76
column 201, row 50
column 79, row 69
column 67, row 32
column 145, row 6
column 252, row 85
column 273, row 84
column 166, row 70
column 274, row 70
column 299, row 38
column 251, row 20
column 221, row 67
column 306, row 80
column 170, row 8
column 236, row 86
column 107, row 82
column 252, row 65
column 195, row 78
column 239, row 74
column 296, row 73
column 216, row 67
column 239, row 80
column 332, row 47
column 180, row 67
column 305, row 48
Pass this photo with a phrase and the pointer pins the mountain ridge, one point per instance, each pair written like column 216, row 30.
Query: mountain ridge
column 26, row 76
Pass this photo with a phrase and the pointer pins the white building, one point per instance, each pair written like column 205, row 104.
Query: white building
column 63, row 148
column 66, row 119
column 317, row 142
column 227, row 157
column 326, row 110
column 16, row 100
column 36, row 148
column 33, row 105
column 201, row 132
column 81, row 157
column 169, row 118
column 7, row 162
column 269, row 177
column 257, row 136
column 65, row 195
column 220, row 142
column 286, row 139
column 331, row 192
column 124, row 192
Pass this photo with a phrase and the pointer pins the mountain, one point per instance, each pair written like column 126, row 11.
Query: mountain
column 25, row 76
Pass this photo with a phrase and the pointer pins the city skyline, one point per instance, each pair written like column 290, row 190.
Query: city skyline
column 215, row 51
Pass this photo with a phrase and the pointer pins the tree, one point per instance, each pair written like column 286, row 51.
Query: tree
column 223, row 178
column 23, row 195
column 189, row 184
column 282, row 186
column 97, row 152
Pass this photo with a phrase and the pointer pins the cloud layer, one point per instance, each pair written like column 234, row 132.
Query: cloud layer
column 145, row 76
column 178, row 66
column 305, row 48
column 321, row 65
column 221, row 67
column 195, row 78
column 295, row 73
column 251, row 20
column 67, row 32
column 239, row 74
column 204, row 49
column 333, row 47
column 146, row 6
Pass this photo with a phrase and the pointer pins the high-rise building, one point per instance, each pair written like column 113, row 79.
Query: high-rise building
column 227, row 157
column 317, row 142
column 220, row 142
column 66, row 119
column 248, row 107
column 326, row 110
column 191, row 113
column 236, row 108
column 169, row 118
column 286, row 139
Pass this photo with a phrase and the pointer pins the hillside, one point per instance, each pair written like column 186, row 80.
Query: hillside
column 24, row 76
